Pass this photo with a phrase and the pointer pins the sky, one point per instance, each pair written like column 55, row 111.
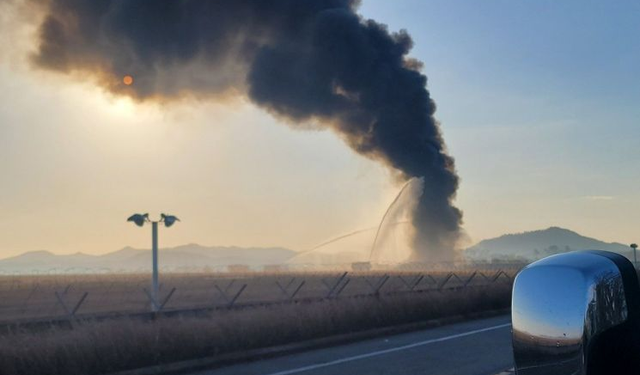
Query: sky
column 538, row 103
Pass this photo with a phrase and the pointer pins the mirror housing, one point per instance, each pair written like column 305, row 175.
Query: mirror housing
column 577, row 313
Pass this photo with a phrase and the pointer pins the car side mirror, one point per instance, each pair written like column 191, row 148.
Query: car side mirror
column 577, row 313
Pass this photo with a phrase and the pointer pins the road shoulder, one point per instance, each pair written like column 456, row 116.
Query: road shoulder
column 277, row 351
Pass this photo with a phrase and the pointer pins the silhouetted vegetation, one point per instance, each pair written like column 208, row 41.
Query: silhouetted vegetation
column 108, row 346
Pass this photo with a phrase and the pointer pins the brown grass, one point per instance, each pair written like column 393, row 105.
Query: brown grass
column 33, row 297
column 107, row 346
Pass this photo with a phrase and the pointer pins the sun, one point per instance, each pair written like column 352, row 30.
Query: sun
column 127, row 80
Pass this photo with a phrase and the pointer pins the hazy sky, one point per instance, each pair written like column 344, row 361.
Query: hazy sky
column 539, row 104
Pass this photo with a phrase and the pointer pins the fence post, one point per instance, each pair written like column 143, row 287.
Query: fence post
column 64, row 293
column 230, row 301
column 406, row 284
column 433, row 280
column 335, row 286
column 486, row 278
column 411, row 285
column 233, row 300
column 496, row 276
column 80, row 302
column 383, row 281
column 470, row 278
column 282, row 289
column 444, row 282
column 344, row 285
column 454, row 275
column 415, row 284
column 166, row 299
column 375, row 287
column 71, row 313
column 297, row 290
column 223, row 293
column 226, row 289
column 289, row 283
column 285, row 289
column 154, row 303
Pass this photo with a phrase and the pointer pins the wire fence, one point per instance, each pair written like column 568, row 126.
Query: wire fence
column 41, row 297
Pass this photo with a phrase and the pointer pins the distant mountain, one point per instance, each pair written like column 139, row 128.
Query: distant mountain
column 538, row 244
column 185, row 257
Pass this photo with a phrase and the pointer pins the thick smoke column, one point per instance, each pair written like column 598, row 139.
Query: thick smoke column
column 301, row 60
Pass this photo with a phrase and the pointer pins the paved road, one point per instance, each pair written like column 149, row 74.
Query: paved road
column 480, row 347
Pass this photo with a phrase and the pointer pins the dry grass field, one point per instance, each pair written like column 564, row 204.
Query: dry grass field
column 264, row 315
column 46, row 296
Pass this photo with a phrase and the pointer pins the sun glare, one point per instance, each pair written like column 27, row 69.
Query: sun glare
column 122, row 107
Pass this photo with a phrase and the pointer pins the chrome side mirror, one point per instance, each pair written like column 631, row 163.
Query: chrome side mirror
column 577, row 313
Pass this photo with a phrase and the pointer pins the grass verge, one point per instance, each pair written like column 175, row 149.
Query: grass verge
column 109, row 346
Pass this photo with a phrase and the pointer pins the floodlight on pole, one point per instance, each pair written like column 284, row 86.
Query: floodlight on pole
column 635, row 258
column 140, row 220
column 168, row 220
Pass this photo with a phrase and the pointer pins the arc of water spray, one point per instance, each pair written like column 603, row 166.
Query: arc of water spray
column 332, row 241
column 335, row 239
column 340, row 237
column 375, row 240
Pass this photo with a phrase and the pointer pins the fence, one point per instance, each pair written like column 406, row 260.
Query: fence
column 26, row 298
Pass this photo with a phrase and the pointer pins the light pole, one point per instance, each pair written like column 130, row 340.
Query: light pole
column 140, row 220
column 635, row 258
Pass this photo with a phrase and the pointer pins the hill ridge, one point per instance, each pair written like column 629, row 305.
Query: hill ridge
column 535, row 244
column 189, row 256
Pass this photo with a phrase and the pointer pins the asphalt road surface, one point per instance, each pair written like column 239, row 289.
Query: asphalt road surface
column 479, row 347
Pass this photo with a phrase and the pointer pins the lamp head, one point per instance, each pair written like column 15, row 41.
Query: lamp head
column 168, row 220
column 139, row 219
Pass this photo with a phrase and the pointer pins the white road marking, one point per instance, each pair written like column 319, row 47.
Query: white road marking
column 386, row 351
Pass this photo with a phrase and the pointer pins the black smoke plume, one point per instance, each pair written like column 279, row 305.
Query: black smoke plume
column 301, row 60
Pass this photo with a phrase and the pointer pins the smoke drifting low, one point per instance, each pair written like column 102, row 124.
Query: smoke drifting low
column 301, row 60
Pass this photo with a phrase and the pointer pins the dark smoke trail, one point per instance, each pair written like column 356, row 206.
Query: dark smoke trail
column 302, row 60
